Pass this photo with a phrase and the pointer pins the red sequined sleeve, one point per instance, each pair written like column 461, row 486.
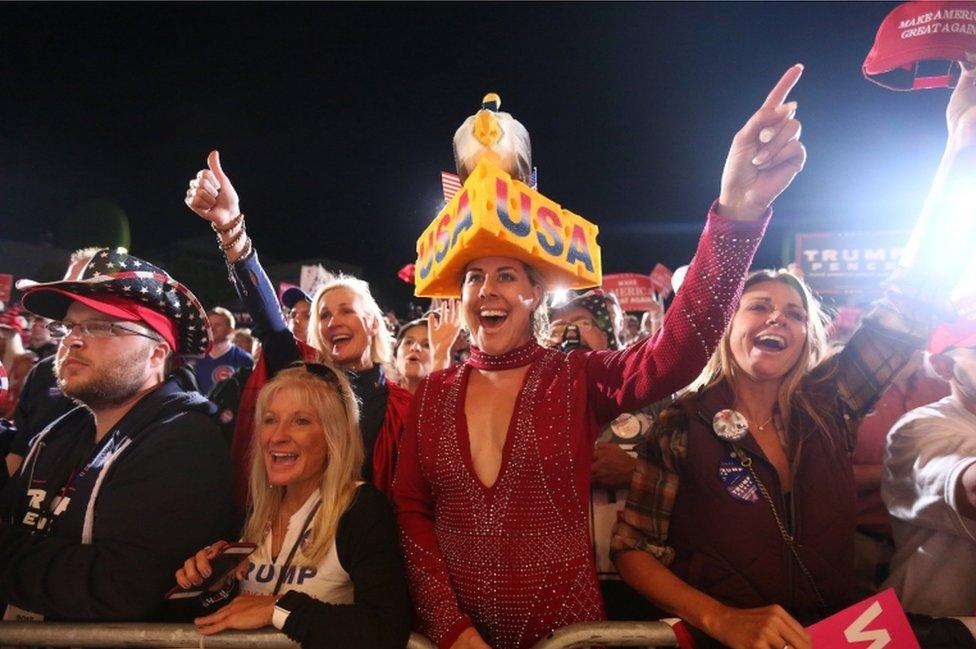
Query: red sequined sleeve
column 438, row 615
column 654, row 368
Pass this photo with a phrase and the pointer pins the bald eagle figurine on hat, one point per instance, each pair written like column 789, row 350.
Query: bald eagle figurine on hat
column 494, row 135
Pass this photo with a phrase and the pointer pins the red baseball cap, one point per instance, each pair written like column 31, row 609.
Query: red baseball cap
column 918, row 43
column 961, row 333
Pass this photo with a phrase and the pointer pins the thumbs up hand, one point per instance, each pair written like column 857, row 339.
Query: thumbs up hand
column 211, row 195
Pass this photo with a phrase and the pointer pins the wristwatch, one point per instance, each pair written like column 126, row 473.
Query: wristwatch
column 280, row 615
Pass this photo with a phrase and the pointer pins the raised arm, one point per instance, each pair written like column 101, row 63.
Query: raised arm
column 212, row 197
column 935, row 258
column 443, row 327
column 765, row 156
column 942, row 242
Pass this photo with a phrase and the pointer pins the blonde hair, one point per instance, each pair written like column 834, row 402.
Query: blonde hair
column 381, row 342
column 722, row 366
column 334, row 404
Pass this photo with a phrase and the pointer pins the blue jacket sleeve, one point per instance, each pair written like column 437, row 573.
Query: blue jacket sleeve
column 258, row 295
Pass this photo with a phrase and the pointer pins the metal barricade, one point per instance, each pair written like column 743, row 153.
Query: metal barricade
column 135, row 634
column 618, row 634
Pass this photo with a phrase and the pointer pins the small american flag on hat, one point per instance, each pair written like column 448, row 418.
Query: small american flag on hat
column 451, row 184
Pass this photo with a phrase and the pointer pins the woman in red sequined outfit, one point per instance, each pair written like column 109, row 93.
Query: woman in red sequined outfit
column 494, row 473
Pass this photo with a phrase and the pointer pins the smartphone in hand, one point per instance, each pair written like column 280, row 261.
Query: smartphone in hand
column 222, row 566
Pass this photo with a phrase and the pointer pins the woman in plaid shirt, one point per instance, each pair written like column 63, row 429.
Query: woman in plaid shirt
column 742, row 503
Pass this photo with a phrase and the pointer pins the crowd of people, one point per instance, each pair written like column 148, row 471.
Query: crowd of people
column 503, row 466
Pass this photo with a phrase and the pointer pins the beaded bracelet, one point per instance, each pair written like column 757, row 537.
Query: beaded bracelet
column 230, row 226
column 230, row 244
column 248, row 251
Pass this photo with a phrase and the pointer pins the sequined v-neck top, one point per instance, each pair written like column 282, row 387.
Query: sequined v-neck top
column 514, row 560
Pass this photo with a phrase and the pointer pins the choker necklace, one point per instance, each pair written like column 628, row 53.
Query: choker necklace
column 519, row 357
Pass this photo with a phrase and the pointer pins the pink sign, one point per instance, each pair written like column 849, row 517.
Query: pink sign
column 632, row 289
column 284, row 286
column 875, row 623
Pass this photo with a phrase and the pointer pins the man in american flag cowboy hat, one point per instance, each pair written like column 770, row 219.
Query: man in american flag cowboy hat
column 113, row 495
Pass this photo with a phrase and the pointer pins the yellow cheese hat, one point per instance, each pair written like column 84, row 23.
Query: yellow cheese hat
column 495, row 214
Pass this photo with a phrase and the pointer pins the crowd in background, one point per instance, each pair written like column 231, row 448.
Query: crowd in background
column 503, row 465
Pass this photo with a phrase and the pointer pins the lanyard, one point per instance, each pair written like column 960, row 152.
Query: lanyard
column 294, row 548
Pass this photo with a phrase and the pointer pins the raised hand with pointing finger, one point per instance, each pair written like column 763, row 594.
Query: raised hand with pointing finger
column 766, row 155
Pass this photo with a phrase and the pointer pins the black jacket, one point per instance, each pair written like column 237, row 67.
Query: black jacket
column 164, row 495
column 368, row 549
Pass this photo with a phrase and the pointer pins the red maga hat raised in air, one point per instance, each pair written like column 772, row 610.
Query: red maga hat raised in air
column 918, row 43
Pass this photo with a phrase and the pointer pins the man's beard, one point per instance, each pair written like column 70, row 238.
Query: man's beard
column 109, row 386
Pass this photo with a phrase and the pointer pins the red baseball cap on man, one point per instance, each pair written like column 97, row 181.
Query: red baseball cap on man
column 918, row 43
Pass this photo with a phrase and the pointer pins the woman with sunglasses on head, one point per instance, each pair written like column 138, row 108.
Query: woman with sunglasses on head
column 327, row 570
column 741, row 514
column 493, row 481
column 346, row 328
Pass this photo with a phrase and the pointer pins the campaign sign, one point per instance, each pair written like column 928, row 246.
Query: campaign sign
column 494, row 215
column 313, row 277
column 632, row 290
column 877, row 622
column 661, row 278
column 848, row 262
column 6, row 284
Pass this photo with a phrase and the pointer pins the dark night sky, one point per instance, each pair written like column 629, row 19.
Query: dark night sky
column 334, row 121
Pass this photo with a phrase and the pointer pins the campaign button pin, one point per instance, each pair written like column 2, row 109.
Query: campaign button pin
column 730, row 425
